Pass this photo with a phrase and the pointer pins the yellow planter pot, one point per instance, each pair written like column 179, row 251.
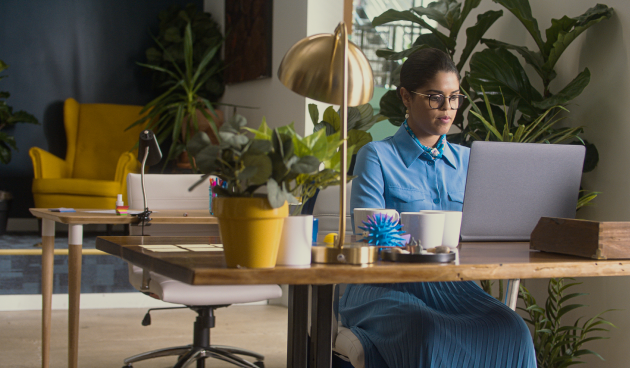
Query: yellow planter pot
column 250, row 230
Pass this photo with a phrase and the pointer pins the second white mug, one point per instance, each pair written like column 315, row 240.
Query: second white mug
column 452, row 226
column 427, row 227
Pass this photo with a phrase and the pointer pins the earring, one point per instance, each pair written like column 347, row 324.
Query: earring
column 406, row 114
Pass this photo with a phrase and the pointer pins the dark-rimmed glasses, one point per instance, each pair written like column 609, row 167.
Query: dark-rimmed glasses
column 436, row 101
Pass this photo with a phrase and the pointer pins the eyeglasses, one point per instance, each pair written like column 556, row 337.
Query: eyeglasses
column 437, row 101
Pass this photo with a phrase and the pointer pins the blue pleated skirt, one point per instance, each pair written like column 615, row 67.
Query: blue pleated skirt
column 435, row 325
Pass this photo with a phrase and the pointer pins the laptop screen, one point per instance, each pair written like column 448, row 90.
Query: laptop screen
column 510, row 186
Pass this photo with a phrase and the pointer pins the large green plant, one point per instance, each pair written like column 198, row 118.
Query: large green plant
column 178, row 109
column 450, row 14
column 279, row 159
column 360, row 120
column 500, row 72
column 560, row 345
column 169, row 48
column 8, row 119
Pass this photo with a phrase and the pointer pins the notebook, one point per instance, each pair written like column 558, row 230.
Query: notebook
column 510, row 186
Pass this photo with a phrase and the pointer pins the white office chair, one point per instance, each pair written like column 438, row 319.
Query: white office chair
column 346, row 346
column 171, row 192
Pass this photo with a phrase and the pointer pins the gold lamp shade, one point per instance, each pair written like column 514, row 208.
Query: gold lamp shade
column 313, row 68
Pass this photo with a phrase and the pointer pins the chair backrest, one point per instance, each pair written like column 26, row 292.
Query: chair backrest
column 326, row 209
column 97, row 131
column 170, row 192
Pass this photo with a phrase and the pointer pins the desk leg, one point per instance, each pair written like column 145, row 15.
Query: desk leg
column 297, row 342
column 321, row 326
column 75, row 243
column 48, row 249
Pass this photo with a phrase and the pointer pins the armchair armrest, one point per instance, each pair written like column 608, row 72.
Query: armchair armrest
column 46, row 165
column 127, row 163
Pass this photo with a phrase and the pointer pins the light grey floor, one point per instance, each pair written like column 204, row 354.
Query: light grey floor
column 107, row 336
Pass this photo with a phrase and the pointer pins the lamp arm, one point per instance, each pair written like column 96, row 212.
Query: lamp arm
column 341, row 32
column 144, row 193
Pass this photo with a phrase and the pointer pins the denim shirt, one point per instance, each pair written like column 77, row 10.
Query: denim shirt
column 396, row 173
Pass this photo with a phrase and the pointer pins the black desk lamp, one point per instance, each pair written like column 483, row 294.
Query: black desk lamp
column 149, row 153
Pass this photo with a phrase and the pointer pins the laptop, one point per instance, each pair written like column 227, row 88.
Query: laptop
column 510, row 186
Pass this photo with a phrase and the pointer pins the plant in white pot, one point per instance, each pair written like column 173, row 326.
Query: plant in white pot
column 250, row 223
column 8, row 119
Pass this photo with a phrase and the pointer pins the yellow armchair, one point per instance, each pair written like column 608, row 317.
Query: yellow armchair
column 97, row 162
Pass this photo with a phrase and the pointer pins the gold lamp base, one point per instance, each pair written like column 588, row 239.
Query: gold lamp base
column 352, row 254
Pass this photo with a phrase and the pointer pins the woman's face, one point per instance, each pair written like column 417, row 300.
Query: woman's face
column 429, row 124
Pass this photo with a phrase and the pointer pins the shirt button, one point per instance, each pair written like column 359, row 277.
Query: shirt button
column 436, row 201
column 431, row 163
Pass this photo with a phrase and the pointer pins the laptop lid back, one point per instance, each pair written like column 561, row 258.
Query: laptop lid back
column 510, row 186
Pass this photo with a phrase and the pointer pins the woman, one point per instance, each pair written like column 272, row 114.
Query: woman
column 432, row 324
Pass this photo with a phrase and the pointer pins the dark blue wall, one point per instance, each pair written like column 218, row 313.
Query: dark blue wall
column 85, row 49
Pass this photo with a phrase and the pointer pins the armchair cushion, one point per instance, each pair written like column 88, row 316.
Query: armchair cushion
column 83, row 187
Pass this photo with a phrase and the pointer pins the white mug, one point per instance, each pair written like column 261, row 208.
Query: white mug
column 362, row 214
column 296, row 241
column 427, row 227
column 452, row 227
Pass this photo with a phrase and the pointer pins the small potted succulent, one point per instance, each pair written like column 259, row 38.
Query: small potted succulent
column 8, row 119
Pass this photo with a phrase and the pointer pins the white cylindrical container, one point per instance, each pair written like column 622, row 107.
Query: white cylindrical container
column 119, row 201
column 296, row 241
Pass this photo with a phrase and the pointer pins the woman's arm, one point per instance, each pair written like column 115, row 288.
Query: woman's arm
column 368, row 186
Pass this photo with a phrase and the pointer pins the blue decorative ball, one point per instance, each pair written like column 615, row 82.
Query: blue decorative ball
column 382, row 230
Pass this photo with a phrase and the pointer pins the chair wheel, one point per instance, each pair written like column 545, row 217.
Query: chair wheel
column 260, row 364
column 127, row 366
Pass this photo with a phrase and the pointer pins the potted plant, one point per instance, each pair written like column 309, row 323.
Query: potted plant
column 169, row 49
column 557, row 344
column 183, row 108
column 251, row 222
column 8, row 119
column 297, row 234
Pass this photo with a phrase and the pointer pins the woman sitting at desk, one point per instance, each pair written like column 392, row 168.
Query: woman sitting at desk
column 429, row 324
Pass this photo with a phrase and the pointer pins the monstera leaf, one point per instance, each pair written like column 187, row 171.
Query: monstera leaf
column 522, row 11
column 564, row 31
column 392, row 15
column 502, row 76
column 476, row 32
column 568, row 93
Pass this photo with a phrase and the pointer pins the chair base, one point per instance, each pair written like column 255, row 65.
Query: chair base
column 189, row 354
column 201, row 348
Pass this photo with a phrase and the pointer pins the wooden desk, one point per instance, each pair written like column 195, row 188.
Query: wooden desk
column 478, row 261
column 75, row 221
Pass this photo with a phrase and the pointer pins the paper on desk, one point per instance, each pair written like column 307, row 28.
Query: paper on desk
column 61, row 209
column 130, row 212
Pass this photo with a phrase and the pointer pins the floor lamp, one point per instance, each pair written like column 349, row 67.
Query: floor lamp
column 331, row 69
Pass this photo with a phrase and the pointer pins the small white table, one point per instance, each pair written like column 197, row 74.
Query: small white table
column 75, row 222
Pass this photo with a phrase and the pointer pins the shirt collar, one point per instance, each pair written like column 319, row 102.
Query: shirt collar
column 410, row 151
